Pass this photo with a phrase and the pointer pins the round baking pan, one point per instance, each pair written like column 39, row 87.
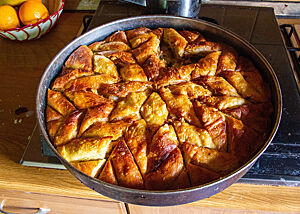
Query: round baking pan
column 168, row 197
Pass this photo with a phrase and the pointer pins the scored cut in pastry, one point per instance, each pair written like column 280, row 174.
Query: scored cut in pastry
column 214, row 122
column 95, row 114
column 154, row 111
column 107, row 174
column 85, row 149
column 245, row 89
column 137, row 138
column 222, row 102
column 207, row 66
column 129, row 107
column 104, row 129
column 153, row 67
column 228, row 59
column 91, row 168
column 118, row 90
column 191, row 134
column 175, row 75
column 58, row 101
column 218, row 85
column 145, row 50
column 69, row 129
column 175, row 41
column 90, row 83
column 158, row 109
column 103, row 65
column 80, row 59
column 163, row 143
column 61, row 81
column 166, row 173
column 191, row 36
column 190, row 89
column 217, row 161
column 86, row 99
column 180, row 106
column 126, row 171
column 51, row 114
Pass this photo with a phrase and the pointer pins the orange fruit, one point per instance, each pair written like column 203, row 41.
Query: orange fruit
column 8, row 17
column 32, row 11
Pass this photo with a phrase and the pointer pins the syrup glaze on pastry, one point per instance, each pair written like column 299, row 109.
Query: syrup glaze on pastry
column 158, row 109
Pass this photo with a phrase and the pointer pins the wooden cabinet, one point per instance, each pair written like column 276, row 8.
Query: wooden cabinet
column 29, row 203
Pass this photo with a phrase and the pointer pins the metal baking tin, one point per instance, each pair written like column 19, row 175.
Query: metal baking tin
column 167, row 197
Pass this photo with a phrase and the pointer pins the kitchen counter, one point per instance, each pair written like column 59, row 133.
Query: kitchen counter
column 22, row 65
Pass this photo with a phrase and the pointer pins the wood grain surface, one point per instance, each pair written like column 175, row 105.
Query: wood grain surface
column 21, row 66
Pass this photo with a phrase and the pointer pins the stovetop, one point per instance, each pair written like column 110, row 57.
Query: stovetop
column 280, row 163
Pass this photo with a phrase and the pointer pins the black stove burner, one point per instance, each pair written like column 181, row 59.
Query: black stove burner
column 280, row 164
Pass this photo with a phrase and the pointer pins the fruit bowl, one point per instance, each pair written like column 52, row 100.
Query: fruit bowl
column 35, row 31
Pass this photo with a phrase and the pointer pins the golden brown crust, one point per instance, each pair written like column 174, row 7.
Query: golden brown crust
column 103, row 65
column 214, row 122
column 175, row 75
column 135, row 32
column 153, row 66
column 129, row 107
column 118, row 36
column 154, row 111
column 86, row 99
column 108, row 175
column 223, row 102
column 179, row 106
column 166, row 173
column 61, row 81
column 126, row 170
column 216, row 161
column 191, row 36
column 53, row 126
column 58, row 101
column 95, row 114
column 120, row 58
column 175, row 41
column 133, row 72
column 190, row 89
column 207, row 66
column 91, row 168
column 51, row 114
column 245, row 89
column 90, row 83
column 162, row 144
column 80, row 59
column 218, row 85
column 69, row 129
column 191, row 134
column 109, row 46
column 117, row 90
column 242, row 141
column 103, row 129
column 201, row 48
column 85, row 149
column 137, row 138
column 228, row 59
column 145, row 50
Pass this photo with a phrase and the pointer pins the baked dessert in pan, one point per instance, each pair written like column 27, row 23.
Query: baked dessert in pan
column 158, row 109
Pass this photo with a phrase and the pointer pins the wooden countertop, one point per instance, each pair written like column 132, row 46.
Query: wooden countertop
column 21, row 66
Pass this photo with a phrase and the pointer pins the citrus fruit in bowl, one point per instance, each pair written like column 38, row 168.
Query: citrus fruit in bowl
column 31, row 20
